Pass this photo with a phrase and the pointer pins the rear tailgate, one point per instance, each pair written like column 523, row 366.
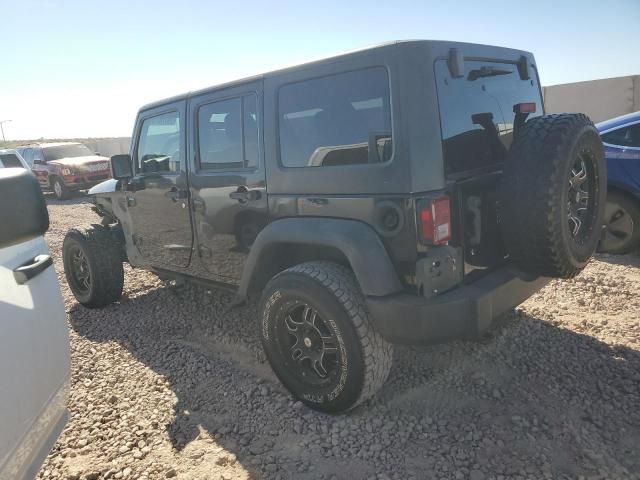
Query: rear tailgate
column 477, row 122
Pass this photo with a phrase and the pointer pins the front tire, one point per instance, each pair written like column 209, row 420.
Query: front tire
column 317, row 337
column 93, row 265
column 621, row 232
column 59, row 189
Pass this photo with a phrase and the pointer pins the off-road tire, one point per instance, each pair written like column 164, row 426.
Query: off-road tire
column 534, row 195
column 623, row 205
column 59, row 189
column 333, row 291
column 103, row 253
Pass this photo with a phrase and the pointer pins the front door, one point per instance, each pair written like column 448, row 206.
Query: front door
column 34, row 358
column 227, row 178
column 158, row 195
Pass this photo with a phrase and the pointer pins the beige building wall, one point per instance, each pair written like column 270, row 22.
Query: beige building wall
column 108, row 146
column 600, row 99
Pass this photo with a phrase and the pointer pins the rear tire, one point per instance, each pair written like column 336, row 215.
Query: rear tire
column 552, row 195
column 621, row 232
column 317, row 337
column 92, row 259
column 59, row 189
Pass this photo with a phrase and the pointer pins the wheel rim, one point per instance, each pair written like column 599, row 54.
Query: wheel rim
column 57, row 188
column 618, row 229
column 308, row 345
column 582, row 197
column 80, row 272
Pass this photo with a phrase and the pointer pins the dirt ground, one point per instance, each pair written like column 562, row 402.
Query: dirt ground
column 168, row 383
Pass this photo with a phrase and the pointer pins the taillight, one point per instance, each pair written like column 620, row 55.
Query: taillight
column 521, row 108
column 435, row 221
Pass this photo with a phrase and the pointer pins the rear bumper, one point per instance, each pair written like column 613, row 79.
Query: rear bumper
column 462, row 313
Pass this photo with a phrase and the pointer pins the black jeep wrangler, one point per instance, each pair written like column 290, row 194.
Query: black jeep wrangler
column 407, row 193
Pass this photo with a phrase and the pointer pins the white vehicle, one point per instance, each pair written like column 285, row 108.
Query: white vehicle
column 10, row 158
column 34, row 341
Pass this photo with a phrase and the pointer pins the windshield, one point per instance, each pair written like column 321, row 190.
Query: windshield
column 66, row 151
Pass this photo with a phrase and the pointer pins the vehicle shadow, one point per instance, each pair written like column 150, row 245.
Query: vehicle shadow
column 629, row 260
column 76, row 199
column 547, row 396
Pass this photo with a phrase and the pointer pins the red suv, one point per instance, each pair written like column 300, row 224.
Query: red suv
column 65, row 167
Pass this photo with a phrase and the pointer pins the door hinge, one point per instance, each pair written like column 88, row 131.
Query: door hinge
column 204, row 252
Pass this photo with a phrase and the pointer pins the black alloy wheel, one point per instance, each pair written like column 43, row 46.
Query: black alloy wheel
column 308, row 344
column 581, row 197
column 79, row 271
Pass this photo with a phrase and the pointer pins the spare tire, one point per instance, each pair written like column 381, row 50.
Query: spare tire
column 552, row 195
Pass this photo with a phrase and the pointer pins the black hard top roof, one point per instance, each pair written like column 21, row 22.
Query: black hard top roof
column 506, row 52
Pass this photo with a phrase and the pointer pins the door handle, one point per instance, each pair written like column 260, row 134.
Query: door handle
column 135, row 183
column 242, row 194
column 177, row 194
column 32, row 268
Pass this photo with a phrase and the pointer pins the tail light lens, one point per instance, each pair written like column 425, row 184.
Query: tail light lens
column 524, row 108
column 435, row 221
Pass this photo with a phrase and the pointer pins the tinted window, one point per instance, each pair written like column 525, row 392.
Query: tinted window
column 336, row 120
column 228, row 134
column 10, row 160
column 625, row 137
column 476, row 112
column 160, row 144
column 27, row 154
column 64, row 151
column 36, row 154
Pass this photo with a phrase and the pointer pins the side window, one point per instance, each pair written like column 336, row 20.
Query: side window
column 160, row 144
column 27, row 154
column 624, row 137
column 9, row 160
column 228, row 134
column 341, row 119
column 37, row 155
column 476, row 112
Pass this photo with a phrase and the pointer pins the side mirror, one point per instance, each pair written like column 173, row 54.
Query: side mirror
column 121, row 167
column 25, row 216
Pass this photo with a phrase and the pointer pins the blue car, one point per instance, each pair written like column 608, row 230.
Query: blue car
column 621, row 138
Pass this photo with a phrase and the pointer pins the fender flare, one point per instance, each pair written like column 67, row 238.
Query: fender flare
column 358, row 242
column 108, row 186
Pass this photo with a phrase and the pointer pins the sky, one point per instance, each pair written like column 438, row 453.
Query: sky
column 82, row 68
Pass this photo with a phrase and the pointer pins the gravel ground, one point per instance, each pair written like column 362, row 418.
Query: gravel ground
column 169, row 384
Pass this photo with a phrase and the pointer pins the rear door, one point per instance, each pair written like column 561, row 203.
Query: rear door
column 158, row 195
column 227, row 178
column 623, row 165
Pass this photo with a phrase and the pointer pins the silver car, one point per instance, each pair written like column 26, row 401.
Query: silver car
column 34, row 341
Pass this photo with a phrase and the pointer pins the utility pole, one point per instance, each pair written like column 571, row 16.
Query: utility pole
column 2, row 129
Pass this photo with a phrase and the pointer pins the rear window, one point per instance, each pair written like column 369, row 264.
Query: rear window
column 10, row 160
column 341, row 119
column 476, row 112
